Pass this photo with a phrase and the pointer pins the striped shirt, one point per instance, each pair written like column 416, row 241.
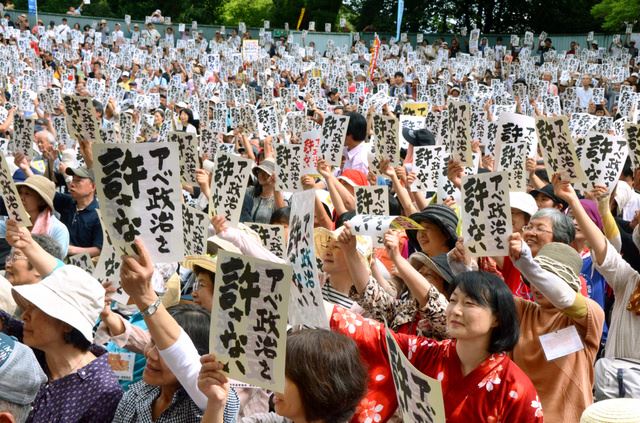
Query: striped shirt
column 335, row 297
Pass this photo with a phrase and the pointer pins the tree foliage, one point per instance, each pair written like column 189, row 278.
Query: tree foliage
column 616, row 13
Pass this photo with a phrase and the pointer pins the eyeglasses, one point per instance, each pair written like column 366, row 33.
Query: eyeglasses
column 536, row 229
column 13, row 257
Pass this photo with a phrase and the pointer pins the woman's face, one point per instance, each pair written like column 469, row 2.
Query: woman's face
column 184, row 118
column 40, row 330
column 156, row 372
column 30, row 199
column 333, row 258
column 289, row 404
column 263, row 177
column 158, row 118
column 434, row 278
column 203, row 295
column 432, row 241
column 538, row 234
column 466, row 319
column 518, row 220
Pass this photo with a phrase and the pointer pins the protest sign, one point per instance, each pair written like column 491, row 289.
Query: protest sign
column 428, row 164
column 310, row 151
column 12, row 201
column 272, row 237
column 558, row 149
column 248, row 325
column 486, row 217
column 516, row 140
column 139, row 192
column 370, row 225
column 602, row 157
column 419, row 396
column 289, row 160
column 373, row 200
column 250, row 50
column 306, row 306
column 188, row 147
column 267, row 122
column 196, row 229
column 460, row 132
column 334, row 132
column 415, row 109
column 228, row 186
column 23, row 135
column 632, row 132
column 385, row 129
column 82, row 261
column 107, row 268
column 81, row 118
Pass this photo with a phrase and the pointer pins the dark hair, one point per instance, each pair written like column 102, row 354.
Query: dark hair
column 344, row 217
column 190, row 119
column 77, row 339
column 400, row 74
column 198, row 270
column 280, row 216
column 327, row 368
column 490, row 291
column 357, row 127
column 195, row 321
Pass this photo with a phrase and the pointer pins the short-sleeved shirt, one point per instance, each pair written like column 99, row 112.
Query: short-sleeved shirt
column 84, row 225
column 91, row 394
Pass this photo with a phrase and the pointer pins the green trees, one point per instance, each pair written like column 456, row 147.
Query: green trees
column 616, row 13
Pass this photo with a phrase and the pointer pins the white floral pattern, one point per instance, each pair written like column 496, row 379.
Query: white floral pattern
column 368, row 411
column 538, row 406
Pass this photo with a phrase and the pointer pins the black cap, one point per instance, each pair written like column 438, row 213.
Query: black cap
column 547, row 190
column 418, row 137
column 443, row 216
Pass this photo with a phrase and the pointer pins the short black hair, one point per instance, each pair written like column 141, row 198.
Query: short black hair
column 195, row 321
column 490, row 291
column 327, row 368
column 400, row 74
column 357, row 127
column 280, row 216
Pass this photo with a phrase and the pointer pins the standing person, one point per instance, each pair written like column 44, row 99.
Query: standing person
column 79, row 212
column 584, row 92
column 356, row 154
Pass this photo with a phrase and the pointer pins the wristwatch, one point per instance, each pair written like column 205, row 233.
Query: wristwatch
column 151, row 309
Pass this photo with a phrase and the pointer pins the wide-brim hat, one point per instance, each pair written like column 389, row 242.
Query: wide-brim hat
column 439, row 264
column 267, row 165
column 616, row 410
column 418, row 137
column 206, row 262
column 45, row 188
column 563, row 261
column 442, row 216
column 68, row 294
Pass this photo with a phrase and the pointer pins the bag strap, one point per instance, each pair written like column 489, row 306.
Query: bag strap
column 620, row 378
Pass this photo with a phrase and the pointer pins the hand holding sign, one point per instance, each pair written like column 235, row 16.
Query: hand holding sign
column 135, row 276
column 17, row 236
column 212, row 382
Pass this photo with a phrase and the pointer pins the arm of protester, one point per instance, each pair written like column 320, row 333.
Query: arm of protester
column 267, row 145
column 460, row 260
column 534, row 179
column 92, row 251
column 417, row 284
column 554, row 289
column 23, row 163
column 248, row 147
column 174, row 345
column 213, row 383
column 334, row 187
column 8, row 122
column 87, row 153
column 595, row 238
column 602, row 197
column 245, row 243
column 403, row 194
column 116, row 328
column 204, row 182
column 455, row 172
column 356, row 264
column 19, row 237
column 322, row 219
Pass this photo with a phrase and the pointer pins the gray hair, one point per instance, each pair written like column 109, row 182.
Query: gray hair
column 19, row 412
column 561, row 224
column 50, row 245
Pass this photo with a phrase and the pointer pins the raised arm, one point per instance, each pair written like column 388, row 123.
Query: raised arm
column 356, row 265
column 20, row 238
column 595, row 238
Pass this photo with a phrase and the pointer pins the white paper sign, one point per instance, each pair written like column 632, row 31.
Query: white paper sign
column 228, row 186
column 561, row 343
column 516, row 140
column 334, row 132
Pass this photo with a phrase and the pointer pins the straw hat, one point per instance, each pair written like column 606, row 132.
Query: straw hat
column 618, row 410
column 43, row 186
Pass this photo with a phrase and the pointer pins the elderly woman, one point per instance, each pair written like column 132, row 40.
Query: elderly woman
column 59, row 313
column 36, row 194
column 160, row 397
column 324, row 381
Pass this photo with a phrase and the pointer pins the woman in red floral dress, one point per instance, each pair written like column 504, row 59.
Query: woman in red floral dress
column 479, row 382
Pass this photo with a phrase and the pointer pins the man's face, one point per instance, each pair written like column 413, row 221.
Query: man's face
column 81, row 187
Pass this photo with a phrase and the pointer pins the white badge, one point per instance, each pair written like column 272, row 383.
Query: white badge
column 561, row 342
column 122, row 364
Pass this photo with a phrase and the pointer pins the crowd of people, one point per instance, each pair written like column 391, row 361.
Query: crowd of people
column 473, row 324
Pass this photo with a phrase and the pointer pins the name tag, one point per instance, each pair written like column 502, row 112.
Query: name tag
column 561, row 342
column 122, row 365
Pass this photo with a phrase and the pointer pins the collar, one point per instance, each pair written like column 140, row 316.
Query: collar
column 351, row 153
column 93, row 205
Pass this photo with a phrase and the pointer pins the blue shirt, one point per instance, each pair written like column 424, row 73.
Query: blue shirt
column 84, row 225
column 596, row 287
